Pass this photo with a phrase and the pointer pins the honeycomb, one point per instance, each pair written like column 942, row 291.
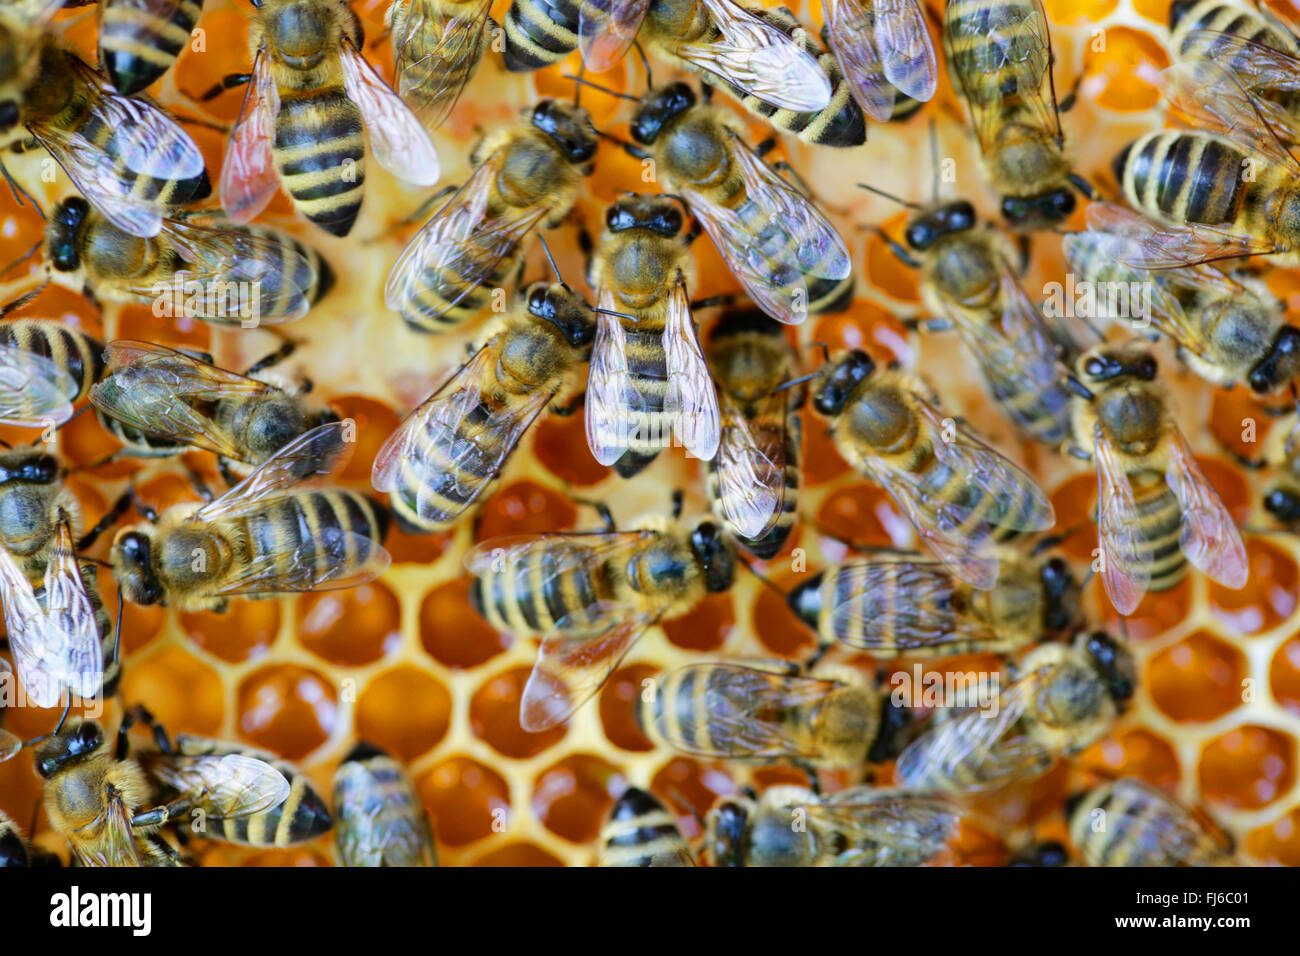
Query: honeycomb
column 405, row 663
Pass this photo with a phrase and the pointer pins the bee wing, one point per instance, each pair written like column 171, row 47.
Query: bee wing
column 25, row 627
column 1211, row 97
column 692, row 398
column 854, row 43
column 116, row 845
column 751, row 477
column 1150, row 245
column 444, row 49
column 9, row 744
column 906, row 50
column 1175, row 833
column 613, row 396
column 33, row 390
column 248, row 176
column 74, row 651
column 223, row 786
column 1104, row 257
column 398, row 140
column 1258, row 67
column 1126, row 559
column 580, row 551
column 376, row 826
column 335, row 560
column 897, row 828
column 606, row 29
column 1210, row 539
column 760, row 59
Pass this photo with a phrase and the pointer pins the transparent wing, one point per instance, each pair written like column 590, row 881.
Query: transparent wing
column 1126, row 559
column 851, row 31
column 25, row 626
column 1103, row 257
column 116, row 844
column 613, row 396
column 33, row 390
column 1151, row 245
column 751, row 471
column 224, row 786
column 435, row 54
column 397, row 138
column 248, row 176
column 9, row 745
column 379, row 825
column 906, row 50
column 1211, row 97
column 335, row 560
column 73, row 649
column 1210, row 539
column 692, row 398
column 606, row 29
column 558, row 553
column 885, row 828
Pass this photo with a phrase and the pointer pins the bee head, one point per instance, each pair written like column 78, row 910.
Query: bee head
column 1280, row 365
column 659, row 214
column 1114, row 662
column 726, row 830
column 569, row 126
column 1060, row 595
column 1283, row 504
column 132, row 561
column 77, row 741
column 1038, row 212
column 924, row 231
column 713, row 551
column 839, row 378
column 61, row 239
column 566, row 310
column 657, row 108
column 32, row 468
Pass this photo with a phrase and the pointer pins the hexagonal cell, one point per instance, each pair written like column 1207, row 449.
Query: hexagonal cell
column 862, row 514
column 1136, row 752
column 819, row 457
column 178, row 332
column 465, row 799
column 1276, row 843
column 1247, row 768
column 560, row 444
column 1023, row 803
column 690, row 787
column 524, row 507
column 572, row 797
column 351, row 628
column 703, row 628
column 1074, row 11
column 244, row 632
column 375, row 422
column 1237, row 422
column 494, row 716
column 410, row 548
column 866, row 326
column 1197, row 679
column 777, row 627
column 452, row 632
column 518, row 854
column 1129, row 62
column 405, row 711
column 1157, row 11
column 1075, row 501
column 183, row 692
column 619, row 700
column 1270, row 595
column 882, row 267
column 287, row 709
column 1284, row 675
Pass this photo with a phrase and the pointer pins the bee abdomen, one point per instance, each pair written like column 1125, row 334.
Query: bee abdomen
column 301, row 817
column 641, row 832
column 296, row 529
column 649, row 427
column 137, row 47
column 531, row 597
column 426, row 309
column 81, row 356
column 1184, row 177
column 539, row 32
column 1160, row 525
column 1042, row 414
column 320, row 155
column 291, row 273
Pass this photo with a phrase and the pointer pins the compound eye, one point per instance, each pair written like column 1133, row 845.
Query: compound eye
column 88, row 737
column 536, row 300
column 1147, row 368
column 1094, row 366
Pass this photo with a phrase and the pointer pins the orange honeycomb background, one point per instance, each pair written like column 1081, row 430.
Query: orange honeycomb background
column 404, row 661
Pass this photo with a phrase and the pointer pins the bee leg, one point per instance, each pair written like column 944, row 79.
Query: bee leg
column 19, row 193
column 198, row 484
column 122, row 749
column 602, row 509
column 204, row 123
column 901, row 253
column 228, row 82
column 160, row 737
column 22, row 300
column 814, row 781
column 267, row 361
column 161, row 816
column 1071, row 98
column 227, row 475
column 110, row 518
column 569, row 407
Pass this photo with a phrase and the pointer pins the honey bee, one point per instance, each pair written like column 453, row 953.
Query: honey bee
column 311, row 94
column 590, row 597
column 883, row 49
column 861, row 826
column 437, row 46
column 218, row 272
column 45, row 367
column 648, row 378
column 999, row 55
column 381, row 821
column 641, row 832
column 753, row 483
column 901, row 605
column 1129, row 822
column 829, row 718
column 959, row 494
column 1066, row 697
column 139, row 40
column 771, row 236
column 264, row 536
column 1156, row 511
column 524, row 175
column 451, row 449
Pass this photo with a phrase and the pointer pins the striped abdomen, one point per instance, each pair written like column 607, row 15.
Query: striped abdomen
column 1183, row 177
column 770, row 543
column 539, row 33
column 980, row 32
column 649, row 425
column 293, row 531
column 81, row 356
column 320, row 154
column 641, row 832
column 986, row 518
column 277, row 285
column 1128, row 823
column 140, row 444
column 1160, row 525
column 439, row 286
column 1189, row 16
column 530, row 597
column 1041, row 413
column 137, row 47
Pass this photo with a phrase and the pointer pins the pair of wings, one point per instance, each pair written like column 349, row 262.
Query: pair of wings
column 1169, row 835
column 948, row 523
column 883, row 827
column 34, row 391
column 443, row 439
column 777, row 232
column 398, row 140
column 882, row 46
column 751, row 465
column 615, row 396
column 435, row 52
column 379, row 824
column 747, row 53
column 54, row 635
column 1209, row 537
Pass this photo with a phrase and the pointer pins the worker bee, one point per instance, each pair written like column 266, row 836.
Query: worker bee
column 753, row 483
column 590, row 597
column 771, row 236
column 641, row 832
column 218, row 272
column 829, row 718
column 125, row 155
column 45, row 367
column 451, row 449
column 648, row 378
column 861, row 826
column 898, row 605
column 437, row 46
column 1156, row 510
column 1066, row 697
column 959, row 494
column 264, row 536
column 999, row 56
column 1130, row 822
column 311, row 94
column 883, row 50
column 381, row 821
column 524, row 175
column 172, row 398
column 139, row 40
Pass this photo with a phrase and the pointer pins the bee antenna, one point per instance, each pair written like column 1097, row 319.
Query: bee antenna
column 23, row 299
column 890, row 196
column 5, row 444
column 621, row 315
column 23, row 258
column 686, row 805
column 577, row 87
column 604, row 89
column 117, row 636
column 794, row 382
column 762, row 580
column 826, row 350
column 551, row 259
column 645, row 62
column 69, row 420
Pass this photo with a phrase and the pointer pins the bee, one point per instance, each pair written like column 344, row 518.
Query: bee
column 139, row 40
column 381, row 821
column 1129, row 822
column 1282, row 454
column 125, row 155
column 641, row 832
column 829, row 718
column 264, row 536
column 169, row 397
column 861, row 826
column 909, row 606
column 999, row 55
column 437, row 46
column 753, row 483
column 959, row 494
column 311, row 94
column 885, row 51
column 1066, row 697
column 218, row 272
column 45, row 367
column 451, row 449
column 13, row 848
column 771, row 236
column 1156, row 511
column 590, row 597
column 648, row 377
column 524, row 175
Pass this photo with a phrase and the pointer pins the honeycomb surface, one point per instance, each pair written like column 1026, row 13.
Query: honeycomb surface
column 404, row 661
